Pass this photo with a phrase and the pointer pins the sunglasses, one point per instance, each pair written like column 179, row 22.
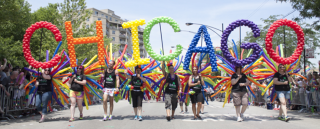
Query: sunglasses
column 46, row 70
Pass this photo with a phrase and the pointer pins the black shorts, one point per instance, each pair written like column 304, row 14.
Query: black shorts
column 197, row 97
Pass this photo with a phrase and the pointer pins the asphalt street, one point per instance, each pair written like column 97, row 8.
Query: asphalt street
column 215, row 116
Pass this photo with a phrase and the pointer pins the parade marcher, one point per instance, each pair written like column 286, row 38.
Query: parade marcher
column 239, row 82
column 137, row 81
column 281, row 80
column 172, row 90
column 195, row 83
column 77, row 82
column 44, row 93
column 111, row 84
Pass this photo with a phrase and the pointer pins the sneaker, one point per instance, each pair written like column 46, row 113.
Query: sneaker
column 280, row 118
column 140, row 118
column 275, row 109
column 239, row 119
column 168, row 118
column 242, row 117
column 41, row 120
column 202, row 112
column 54, row 110
column 71, row 119
column 136, row 118
column 104, row 118
column 286, row 119
column 110, row 117
column 81, row 116
column 182, row 112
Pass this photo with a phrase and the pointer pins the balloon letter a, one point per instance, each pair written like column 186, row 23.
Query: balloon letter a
column 207, row 49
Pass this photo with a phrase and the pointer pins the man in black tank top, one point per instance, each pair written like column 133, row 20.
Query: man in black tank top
column 171, row 91
column 111, row 84
column 137, row 81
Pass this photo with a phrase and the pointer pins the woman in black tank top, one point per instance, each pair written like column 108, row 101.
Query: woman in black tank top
column 195, row 83
column 137, row 81
column 44, row 92
column 171, row 91
column 111, row 84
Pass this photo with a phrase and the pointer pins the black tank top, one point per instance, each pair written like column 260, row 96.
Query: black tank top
column 173, row 84
column 110, row 79
column 196, row 88
column 44, row 84
column 136, row 83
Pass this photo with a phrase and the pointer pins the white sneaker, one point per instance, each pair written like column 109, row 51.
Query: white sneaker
column 239, row 119
column 54, row 110
column 242, row 117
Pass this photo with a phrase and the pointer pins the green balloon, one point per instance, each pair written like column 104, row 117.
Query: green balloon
column 146, row 36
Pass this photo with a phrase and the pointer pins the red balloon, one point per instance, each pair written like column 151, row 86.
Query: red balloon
column 300, row 35
column 26, row 44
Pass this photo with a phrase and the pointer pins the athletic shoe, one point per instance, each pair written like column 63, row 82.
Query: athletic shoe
column 280, row 118
column 140, row 118
column 168, row 118
column 242, row 117
column 182, row 112
column 110, row 117
column 81, row 116
column 239, row 119
column 71, row 119
column 104, row 118
column 202, row 112
column 41, row 120
column 275, row 109
column 194, row 118
column 136, row 118
column 286, row 119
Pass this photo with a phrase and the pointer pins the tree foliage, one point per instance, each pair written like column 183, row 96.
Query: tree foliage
column 285, row 34
column 308, row 9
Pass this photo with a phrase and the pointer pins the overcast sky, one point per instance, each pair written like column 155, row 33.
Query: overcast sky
column 209, row 12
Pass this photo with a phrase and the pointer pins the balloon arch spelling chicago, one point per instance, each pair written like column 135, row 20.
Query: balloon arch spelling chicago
column 257, row 50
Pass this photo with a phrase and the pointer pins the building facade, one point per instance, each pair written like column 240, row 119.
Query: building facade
column 112, row 25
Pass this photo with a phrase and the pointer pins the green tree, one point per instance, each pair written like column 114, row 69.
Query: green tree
column 308, row 9
column 290, row 37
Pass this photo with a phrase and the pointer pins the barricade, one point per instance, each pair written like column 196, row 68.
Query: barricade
column 3, row 103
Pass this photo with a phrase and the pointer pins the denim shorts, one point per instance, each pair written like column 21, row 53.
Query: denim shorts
column 283, row 94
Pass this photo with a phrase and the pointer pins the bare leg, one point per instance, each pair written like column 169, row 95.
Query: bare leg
column 243, row 109
column 199, row 107
column 181, row 106
column 139, row 111
column 80, row 107
column 135, row 110
column 283, row 106
column 202, row 108
column 238, row 111
column 172, row 113
column 73, row 106
column 105, row 104
column 111, row 104
column 168, row 112
column 194, row 110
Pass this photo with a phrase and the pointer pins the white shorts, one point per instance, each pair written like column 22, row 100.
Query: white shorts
column 108, row 91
